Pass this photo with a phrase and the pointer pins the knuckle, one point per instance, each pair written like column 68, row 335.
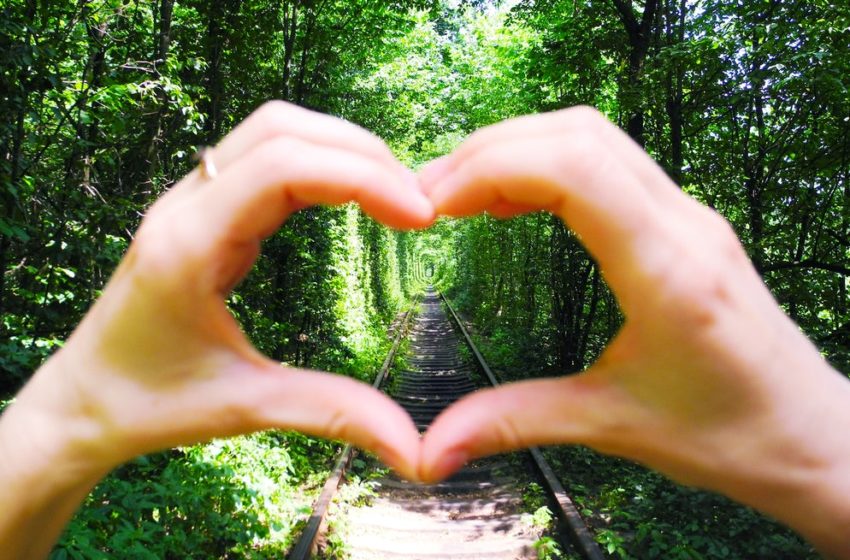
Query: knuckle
column 236, row 415
column 700, row 295
column 368, row 173
column 473, row 144
column 507, row 434
column 281, row 119
column 338, row 426
column 583, row 117
column 582, row 159
column 723, row 238
column 379, row 147
column 708, row 294
column 690, row 286
column 370, row 144
column 164, row 247
column 153, row 252
column 277, row 153
column 275, row 108
column 151, row 236
column 274, row 116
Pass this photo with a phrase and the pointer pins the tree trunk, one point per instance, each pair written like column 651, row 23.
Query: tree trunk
column 217, row 40
column 842, row 303
column 754, row 168
column 301, row 82
column 290, row 28
column 591, row 316
column 568, row 279
column 4, row 247
column 639, row 34
column 675, row 91
column 166, row 9
column 12, row 152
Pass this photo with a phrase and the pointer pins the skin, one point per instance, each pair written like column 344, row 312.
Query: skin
column 159, row 361
column 708, row 381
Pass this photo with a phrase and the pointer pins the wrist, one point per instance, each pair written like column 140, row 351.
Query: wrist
column 802, row 476
column 46, row 469
column 47, row 427
column 819, row 500
column 821, row 513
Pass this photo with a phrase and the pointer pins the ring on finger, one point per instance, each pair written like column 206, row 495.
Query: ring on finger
column 206, row 165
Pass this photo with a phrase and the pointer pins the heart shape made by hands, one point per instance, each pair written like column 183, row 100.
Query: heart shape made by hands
column 159, row 361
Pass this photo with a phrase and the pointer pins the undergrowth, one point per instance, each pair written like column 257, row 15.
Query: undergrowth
column 636, row 513
column 358, row 490
column 243, row 497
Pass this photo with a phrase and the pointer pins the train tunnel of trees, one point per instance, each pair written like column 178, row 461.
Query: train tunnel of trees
column 103, row 102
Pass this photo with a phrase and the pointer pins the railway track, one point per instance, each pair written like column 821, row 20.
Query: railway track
column 479, row 513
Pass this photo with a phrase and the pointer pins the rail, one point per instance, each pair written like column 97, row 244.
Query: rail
column 423, row 410
column 567, row 511
column 303, row 549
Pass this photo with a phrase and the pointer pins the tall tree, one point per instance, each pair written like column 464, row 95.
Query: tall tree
column 639, row 27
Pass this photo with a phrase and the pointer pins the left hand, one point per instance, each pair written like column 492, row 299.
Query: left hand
column 708, row 381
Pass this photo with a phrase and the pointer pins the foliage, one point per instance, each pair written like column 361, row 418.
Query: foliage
column 637, row 513
column 533, row 497
column 537, row 514
column 105, row 102
column 743, row 103
column 243, row 496
column 108, row 100
column 358, row 490
column 548, row 548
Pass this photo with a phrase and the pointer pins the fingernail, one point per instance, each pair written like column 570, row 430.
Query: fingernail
column 447, row 464
column 438, row 197
column 424, row 207
column 433, row 171
column 394, row 460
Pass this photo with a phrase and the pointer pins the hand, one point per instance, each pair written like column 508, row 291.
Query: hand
column 159, row 361
column 708, row 381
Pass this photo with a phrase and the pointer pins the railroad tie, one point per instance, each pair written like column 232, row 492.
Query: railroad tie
column 475, row 514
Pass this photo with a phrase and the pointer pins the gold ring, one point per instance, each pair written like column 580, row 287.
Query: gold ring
column 205, row 162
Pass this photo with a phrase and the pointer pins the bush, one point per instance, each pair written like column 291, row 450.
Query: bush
column 241, row 497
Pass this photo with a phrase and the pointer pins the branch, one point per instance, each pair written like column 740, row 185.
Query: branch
column 806, row 264
column 840, row 238
column 628, row 16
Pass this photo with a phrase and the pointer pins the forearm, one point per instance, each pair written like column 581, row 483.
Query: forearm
column 817, row 502
column 35, row 511
column 46, row 471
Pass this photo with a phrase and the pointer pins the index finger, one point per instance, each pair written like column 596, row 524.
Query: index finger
column 251, row 198
column 578, row 179
column 217, row 227
column 279, row 118
column 578, row 121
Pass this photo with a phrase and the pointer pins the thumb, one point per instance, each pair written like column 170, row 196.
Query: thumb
column 539, row 412
column 260, row 396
